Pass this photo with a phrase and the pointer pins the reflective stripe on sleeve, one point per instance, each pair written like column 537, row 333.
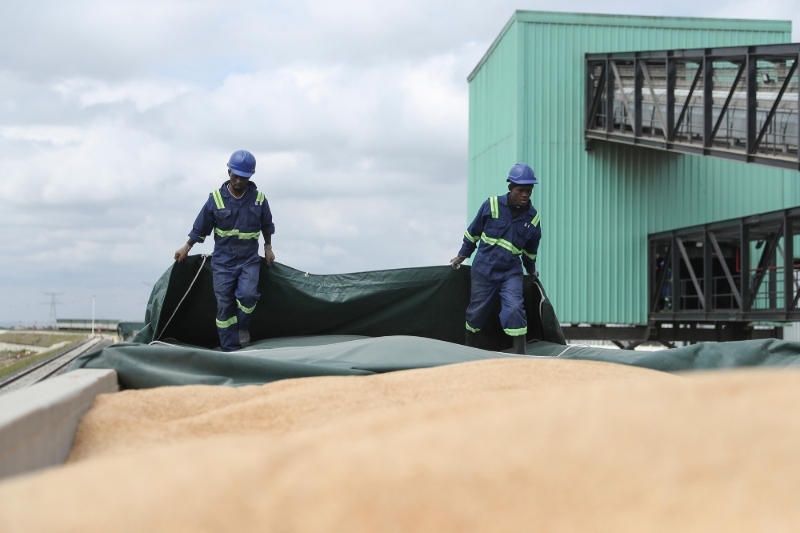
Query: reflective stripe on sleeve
column 218, row 199
column 237, row 233
column 529, row 255
column 494, row 207
column 245, row 310
column 227, row 323
column 535, row 221
column 470, row 237
column 259, row 198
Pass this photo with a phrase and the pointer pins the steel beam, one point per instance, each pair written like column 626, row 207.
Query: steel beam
column 609, row 111
column 618, row 81
column 681, row 330
column 685, row 107
column 696, row 284
column 598, row 95
column 728, row 276
column 764, row 264
column 774, row 108
column 752, row 103
column 708, row 99
column 670, row 67
column 637, row 98
column 726, row 104
column 656, row 104
column 708, row 273
column 744, row 264
column 675, row 265
column 788, row 263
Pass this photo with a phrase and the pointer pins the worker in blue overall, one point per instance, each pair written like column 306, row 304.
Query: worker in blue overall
column 238, row 214
column 508, row 229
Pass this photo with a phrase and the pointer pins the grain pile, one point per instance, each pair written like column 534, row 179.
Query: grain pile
column 508, row 445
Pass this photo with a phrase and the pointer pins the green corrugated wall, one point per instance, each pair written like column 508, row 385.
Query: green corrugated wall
column 597, row 207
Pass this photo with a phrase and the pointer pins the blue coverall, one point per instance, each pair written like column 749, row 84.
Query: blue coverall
column 496, row 267
column 235, row 264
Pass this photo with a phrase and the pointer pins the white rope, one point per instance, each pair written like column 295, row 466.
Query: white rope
column 161, row 343
column 572, row 346
column 541, row 302
column 182, row 299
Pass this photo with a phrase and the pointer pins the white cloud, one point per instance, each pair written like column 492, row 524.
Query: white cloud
column 143, row 94
column 55, row 135
column 117, row 119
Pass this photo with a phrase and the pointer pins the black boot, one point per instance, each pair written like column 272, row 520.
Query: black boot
column 519, row 344
column 244, row 337
column 469, row 340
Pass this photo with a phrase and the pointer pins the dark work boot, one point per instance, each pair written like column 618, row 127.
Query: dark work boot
column 469, row 340
column 519, row 344
column 244, row 337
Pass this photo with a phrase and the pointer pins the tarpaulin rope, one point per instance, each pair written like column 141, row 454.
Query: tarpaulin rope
column 184, row 297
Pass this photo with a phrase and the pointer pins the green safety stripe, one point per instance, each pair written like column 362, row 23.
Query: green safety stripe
column 502, row 243
column 535, row 221
column 237, row 233
column 516, row 332
column 493, row 205
column 470, row 237
column 531, row 256
column 201, row 238
column 246, row 310
column 227, row 323
column 260, row 198
column 218, row 199
column 473, row 330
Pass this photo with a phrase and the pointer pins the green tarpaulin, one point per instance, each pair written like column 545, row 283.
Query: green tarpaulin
column 425, row 302
column 128, row 330
column 361, row 324
column 144, row 366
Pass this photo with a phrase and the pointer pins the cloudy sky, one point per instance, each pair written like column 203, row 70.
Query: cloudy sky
column 117, row 119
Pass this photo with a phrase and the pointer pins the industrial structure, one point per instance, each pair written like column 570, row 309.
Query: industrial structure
column 667, row 152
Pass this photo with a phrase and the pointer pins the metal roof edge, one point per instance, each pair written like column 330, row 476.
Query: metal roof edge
column 647, row 21
column 493, row 46
column 642, row 21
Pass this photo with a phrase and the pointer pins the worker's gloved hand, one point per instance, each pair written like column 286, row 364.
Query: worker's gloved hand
column 182, row 252
column 268, row 254
column 456, row 261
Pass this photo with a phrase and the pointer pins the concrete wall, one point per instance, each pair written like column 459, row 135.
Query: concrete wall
column 38, row 423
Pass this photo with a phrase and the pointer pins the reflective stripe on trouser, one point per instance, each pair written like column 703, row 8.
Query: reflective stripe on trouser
column 512, row 308
column 236, row 289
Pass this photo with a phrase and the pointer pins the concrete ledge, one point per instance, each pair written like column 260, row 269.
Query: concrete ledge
column 38, row 423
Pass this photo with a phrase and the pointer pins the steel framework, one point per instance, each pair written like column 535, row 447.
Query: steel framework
column 667, row 333
column 737, row 270
column 737, row 103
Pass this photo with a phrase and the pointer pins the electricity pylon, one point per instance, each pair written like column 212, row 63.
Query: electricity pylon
column 53, row 303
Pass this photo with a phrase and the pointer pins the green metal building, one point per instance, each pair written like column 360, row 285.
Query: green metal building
column 527, row 103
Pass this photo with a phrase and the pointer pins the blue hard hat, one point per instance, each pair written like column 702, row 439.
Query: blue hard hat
column 522, row 174
column 242, row 163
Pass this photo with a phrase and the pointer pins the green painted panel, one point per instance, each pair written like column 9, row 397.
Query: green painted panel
column 493, row 111
column 598, row 207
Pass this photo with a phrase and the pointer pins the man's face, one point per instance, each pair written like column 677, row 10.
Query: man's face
column 238, row 183
column 521, row 195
